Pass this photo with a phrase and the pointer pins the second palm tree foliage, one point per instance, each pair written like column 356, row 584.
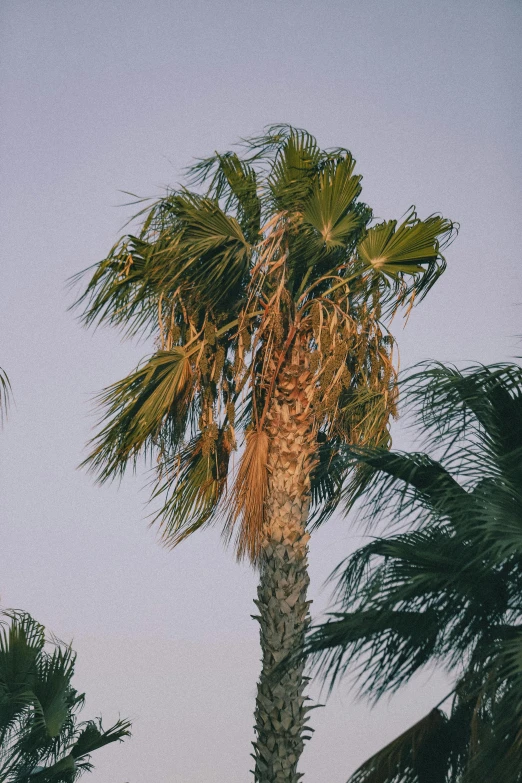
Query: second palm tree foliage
column 41, row 739
column 266, row 287
column 449, row 589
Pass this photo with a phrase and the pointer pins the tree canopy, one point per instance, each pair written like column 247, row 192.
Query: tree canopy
column 41, row 739
column 445, row 585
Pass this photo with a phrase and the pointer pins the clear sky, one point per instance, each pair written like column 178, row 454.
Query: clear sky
column 99, row 97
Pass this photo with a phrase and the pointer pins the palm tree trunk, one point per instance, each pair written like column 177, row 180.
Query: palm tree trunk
column 280, row 713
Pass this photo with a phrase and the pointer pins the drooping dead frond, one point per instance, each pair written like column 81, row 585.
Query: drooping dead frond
column 249, row 494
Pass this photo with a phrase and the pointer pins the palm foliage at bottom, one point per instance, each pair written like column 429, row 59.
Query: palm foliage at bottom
column 41, row 739
column 447, row 586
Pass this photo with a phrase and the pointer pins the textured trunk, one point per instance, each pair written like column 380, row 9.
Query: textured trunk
column 283, row 607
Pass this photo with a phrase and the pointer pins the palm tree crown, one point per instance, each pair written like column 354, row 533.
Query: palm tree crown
column 274, row 254
column 449, row 589
column 41, row 739
column 266, row 293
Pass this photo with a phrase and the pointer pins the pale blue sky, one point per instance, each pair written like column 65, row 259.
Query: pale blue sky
column 98, row 97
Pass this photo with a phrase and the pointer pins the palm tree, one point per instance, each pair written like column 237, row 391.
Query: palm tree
column 266, row 294
column 449, row 588
column 40, row 737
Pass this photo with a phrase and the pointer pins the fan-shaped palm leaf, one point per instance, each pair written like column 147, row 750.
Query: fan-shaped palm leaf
column 412, row 249
column 328, row 208
column 139, row 405
column 40, row 737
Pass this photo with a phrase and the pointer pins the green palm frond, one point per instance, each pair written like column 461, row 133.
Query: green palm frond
column 155, row 396
column 93, row 736
column 123, row 288
column 496, row 723
column 40, row 736
column 456, row 573
column 419, row 755
column 266, row 146
column 327, row 480
column 210, row 253
column 292, row 176
column 328, row 209
column 392, row 645
column 233, row 182
column 52, row 689
column 411, row 249
column 189, row 245
column 418, row 482
column 191, row 486
column 444, row 398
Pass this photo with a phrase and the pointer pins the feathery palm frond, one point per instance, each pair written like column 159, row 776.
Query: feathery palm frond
column 40, row 736
column 156, row 395
column 419, row 755
column 449, row 589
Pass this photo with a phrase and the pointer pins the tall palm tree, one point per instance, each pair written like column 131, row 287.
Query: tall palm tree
column 449, row 588
column 265, row 289
column 40, row 737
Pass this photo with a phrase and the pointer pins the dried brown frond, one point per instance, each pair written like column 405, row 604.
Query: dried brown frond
column 272, row 249
column 248, row 496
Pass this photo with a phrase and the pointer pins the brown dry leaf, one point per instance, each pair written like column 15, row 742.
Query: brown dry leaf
column 249, row 494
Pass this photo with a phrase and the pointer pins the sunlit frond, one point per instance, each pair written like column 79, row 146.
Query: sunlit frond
column 40, row 736
column 292, row 176
column 409, row 253
column 328, row 208
column 157, row 394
